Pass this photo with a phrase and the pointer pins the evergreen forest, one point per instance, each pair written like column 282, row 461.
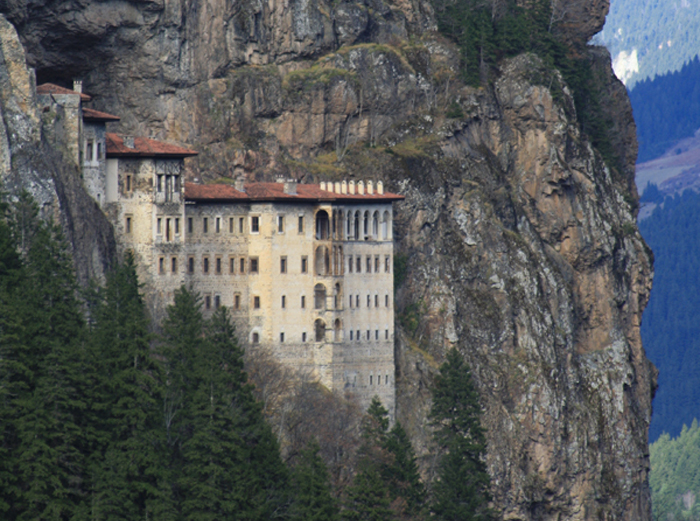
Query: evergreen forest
column 101, row 419
column 666, row 109
column 671, row 323
column 675, row 476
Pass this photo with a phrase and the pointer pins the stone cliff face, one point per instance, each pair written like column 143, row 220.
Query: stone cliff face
column 521, row 247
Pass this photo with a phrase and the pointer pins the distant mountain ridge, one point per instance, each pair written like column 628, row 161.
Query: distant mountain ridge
column 647, row 38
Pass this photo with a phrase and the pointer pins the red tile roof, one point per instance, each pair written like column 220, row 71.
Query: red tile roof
column 50, row 88
column 269, row 192
column 144, row 147
column 96, row 115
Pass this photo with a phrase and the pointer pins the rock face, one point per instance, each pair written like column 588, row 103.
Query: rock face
column 520, row 245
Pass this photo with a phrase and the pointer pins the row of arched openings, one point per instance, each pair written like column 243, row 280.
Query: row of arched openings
column 353, row 225
column 320, row 330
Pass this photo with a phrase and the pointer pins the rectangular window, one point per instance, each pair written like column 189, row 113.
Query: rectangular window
column 254, row 265
column 368, row 265
column 350, row 300
column 376, row 264
column 357, row 335
column 207, row 301
column 218, row 266
column 159, row 226
column 161, row 265
column 128, row 182
column 350, row 263
column 386, row 380
column 370, row 379
column 236, row 301
column 387, row 264
column 255, row 224
column 303, row 302
column 128, row 224
column 358, row 264
column 241, row 224
column 304, row 264
column 232, row 265
column 367, row 337
column 284, row 301
column 190, row 265
column 99, row 151
column 280, row 224
column 386, row 334
column 217, row 301
column 190, row 225
column 256, row 302
column 205, row 265
column 350, row 335
column 88, row 153
column 303, row 337
column 368, row 301
column 173, row 265
column 167, row 229
column 205, row 225
column 357, row 301
column 230, row 225
column 283, row 264
column 177, row 226
column 159, row 183
column 301, row 224
column 281, row 338
column 242, row 266
column 218, row 225
column 376, row 334
column 376, row 301
column 386, row 301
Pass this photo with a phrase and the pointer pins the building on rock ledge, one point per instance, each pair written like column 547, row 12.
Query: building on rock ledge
column 306, row 270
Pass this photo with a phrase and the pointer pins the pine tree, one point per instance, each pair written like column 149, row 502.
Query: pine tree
column 125, row 401
column 402, row 474
column 312, row 492
column 461, row 491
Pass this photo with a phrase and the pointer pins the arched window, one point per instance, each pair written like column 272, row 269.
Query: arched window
column 337, row 330
column 385, row 226
column 336, row 296
column 322, row 225
column 322, row 261
column 375, row 225
column 319, row 296
column 348, row 221
column 255, row 338
column 357, row 226
column 365, row 226
column 320, row 330
column 341, row 225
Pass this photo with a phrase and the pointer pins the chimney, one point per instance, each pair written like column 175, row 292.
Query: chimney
column 344, row 187
column 279, row 178
column 370, row 189
column 336, row 187
column 380, row 188
column 361, row 188
column 128, row 141
column 322, row 186
column 78, row 86
column 239, row 183
column 351, row 187
column 290, row 187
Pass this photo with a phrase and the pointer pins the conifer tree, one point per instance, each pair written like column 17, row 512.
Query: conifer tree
column 312, row 492
column 461, row 491
column 402, row 474
column 125, row 401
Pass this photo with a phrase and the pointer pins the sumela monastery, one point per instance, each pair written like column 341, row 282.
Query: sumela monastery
column 306, row 270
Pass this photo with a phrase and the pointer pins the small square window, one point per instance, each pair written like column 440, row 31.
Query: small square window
column 255, row 224
column 304, row 264
column 283, row 264
column 205, row 225
column 301, row 224
column 280, row 224
column 256, row 338
column 256, row 302
column 205, row 265
column 254, row 265
column 190, row 265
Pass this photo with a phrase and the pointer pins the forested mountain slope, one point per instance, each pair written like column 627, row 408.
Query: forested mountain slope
column 648, row 38
column 518, row 230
